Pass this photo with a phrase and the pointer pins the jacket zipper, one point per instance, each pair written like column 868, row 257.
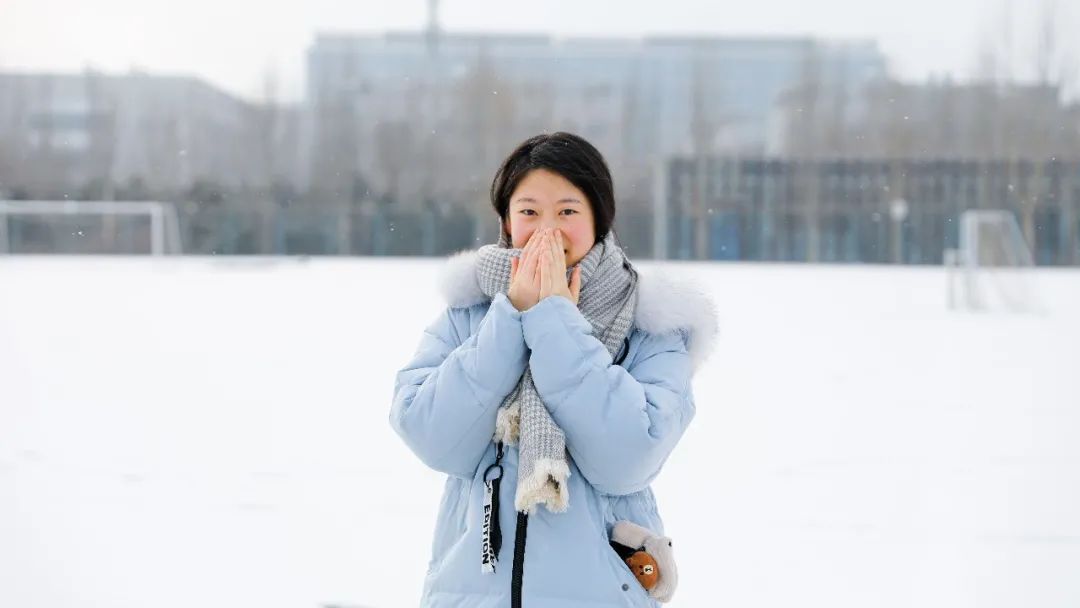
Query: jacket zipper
column 493, row 535
column 520, row 534
column 518, row 572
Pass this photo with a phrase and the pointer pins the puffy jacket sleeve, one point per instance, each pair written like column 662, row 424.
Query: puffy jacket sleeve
column 620, row 424
column 446, row 398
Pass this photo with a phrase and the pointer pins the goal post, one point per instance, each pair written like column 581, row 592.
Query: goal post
column 59, row 226
column 992, row 267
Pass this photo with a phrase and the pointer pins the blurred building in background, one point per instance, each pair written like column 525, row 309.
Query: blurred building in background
column 95, row 135
column 423, row 116
column 871, row 210
column 786, row 149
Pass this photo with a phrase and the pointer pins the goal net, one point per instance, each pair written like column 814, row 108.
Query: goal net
column 96, row 227
column 991, row 269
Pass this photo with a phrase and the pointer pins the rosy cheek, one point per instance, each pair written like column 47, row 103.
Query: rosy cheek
column 516, row 234
column 574, row 238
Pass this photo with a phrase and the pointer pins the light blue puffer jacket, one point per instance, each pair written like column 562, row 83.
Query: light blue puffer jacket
column 621, row 423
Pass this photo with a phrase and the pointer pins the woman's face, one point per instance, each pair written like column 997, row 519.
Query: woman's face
column 546, row 199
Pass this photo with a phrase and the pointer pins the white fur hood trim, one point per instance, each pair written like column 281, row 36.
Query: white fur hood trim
column 665, row 303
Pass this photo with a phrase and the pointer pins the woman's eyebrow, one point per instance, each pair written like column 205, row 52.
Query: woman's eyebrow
column 526, row 199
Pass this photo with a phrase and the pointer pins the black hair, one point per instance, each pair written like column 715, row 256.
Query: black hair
column 571, row 157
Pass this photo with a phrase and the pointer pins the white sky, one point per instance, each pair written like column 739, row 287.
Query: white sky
column 236, row 44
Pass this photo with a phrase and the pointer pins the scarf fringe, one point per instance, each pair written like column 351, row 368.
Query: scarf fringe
column 546, row 486
column 547, row 483
column 506, row 424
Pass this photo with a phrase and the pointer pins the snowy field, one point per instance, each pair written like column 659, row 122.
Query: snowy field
column 213, row 433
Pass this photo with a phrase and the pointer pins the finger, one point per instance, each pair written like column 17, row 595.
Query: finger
column 545, row 275
column 558, row 259
column 532, row 265
column 513, row 268
column 535, row 238
column 540, row 238
column 537, row 276
column 523, row 253
column 536, row 248
column 529, row 256
column 545, row 252
column 575, row 283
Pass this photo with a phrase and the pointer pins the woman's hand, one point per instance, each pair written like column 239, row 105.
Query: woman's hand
column 524, row 291
column 553, row 269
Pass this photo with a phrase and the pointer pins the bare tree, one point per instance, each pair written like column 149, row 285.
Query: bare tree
column 267, row 119
column 394, row 147
column 335, row 160
column 703, row 127
column 488, row 111
column 804, row 124
column 1035, row 131
column 1056, row 70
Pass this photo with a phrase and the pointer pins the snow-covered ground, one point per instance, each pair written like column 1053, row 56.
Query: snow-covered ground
column 213, row 433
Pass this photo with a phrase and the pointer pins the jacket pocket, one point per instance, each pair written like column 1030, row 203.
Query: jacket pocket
column 450, row 526
column 625, row 581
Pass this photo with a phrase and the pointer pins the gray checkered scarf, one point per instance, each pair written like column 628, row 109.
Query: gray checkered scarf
column 607, row 299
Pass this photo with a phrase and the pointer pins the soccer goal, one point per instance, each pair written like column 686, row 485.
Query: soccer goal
column 74, row 227
column 992, row 268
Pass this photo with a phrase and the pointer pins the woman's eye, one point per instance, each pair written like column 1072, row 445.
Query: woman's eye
column 533, row 212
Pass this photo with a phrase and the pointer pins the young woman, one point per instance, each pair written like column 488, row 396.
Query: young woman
column 557, row 382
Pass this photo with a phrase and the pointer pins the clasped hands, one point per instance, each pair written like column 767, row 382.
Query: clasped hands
column 540, row 271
